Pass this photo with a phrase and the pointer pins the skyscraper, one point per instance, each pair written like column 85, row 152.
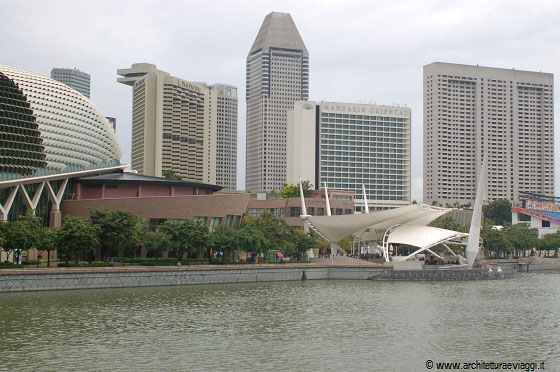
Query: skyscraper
column 188, row 127
column 471, row 113
column 173, row 124
column 226, row 135
column 72, row 77
column 347, row 145
column 277, row 76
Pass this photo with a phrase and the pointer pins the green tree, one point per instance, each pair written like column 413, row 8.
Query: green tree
column 306, row 186
column 521, row 237
column 120, row 231
column 449, row 223
column 224, row 239
column 75, row 236
column 156, row 243
column 549, row 242
column 185, row 237
column 495, row 240
column 2, row 240
column 277, row 231
column 252, row 239
column 21, row 235
column 46, row 241
column 304, row 241
column 289, row 191
column 498, row 211
column 170, row 174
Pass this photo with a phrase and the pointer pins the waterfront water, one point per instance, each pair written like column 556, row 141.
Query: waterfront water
column 286, row 326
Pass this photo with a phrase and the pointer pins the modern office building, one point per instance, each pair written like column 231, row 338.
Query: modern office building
column 226, row 135
column 74, row 78
column 346, row 145
column 277, row 76
column 472, row 112
column 174, row 123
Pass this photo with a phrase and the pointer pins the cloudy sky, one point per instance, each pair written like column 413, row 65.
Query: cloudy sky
column 360, row 51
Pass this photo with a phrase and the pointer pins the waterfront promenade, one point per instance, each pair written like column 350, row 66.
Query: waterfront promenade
column 338, row 268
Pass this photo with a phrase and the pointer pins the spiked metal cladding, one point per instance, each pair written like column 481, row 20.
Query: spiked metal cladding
column 47, row 127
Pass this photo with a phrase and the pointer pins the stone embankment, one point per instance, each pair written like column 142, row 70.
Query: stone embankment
column 336, row 268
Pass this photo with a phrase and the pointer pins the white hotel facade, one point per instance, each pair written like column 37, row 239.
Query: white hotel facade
column 346, row 145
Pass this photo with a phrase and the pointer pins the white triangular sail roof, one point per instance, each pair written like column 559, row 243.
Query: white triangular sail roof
column 373, row 225
column 422, row 236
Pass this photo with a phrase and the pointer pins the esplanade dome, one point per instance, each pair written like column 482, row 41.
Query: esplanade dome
column 47, row 127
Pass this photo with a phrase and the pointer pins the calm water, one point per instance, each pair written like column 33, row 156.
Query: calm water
column 295, row 326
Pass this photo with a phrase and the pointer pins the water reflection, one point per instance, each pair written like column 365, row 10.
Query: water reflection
column 293, row 326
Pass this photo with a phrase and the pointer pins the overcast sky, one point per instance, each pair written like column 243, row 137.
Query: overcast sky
column 359, row 51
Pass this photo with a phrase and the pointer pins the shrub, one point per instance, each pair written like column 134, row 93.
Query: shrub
column 9, row 265
column 30, row 262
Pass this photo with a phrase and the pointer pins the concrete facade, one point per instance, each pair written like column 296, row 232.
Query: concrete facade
column 471, row 112
column 277, row 76
column 346, row 145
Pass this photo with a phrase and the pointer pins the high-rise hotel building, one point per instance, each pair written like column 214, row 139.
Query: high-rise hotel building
column 472, row 112
column 348, row 145
column 277, row 76
column 174, row 123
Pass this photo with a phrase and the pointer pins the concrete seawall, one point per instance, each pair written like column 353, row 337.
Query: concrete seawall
column 59, row 279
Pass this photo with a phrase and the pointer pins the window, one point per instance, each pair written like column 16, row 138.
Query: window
column 201, row 219
column 214, row 222
column 155, row 222
column 295, row 212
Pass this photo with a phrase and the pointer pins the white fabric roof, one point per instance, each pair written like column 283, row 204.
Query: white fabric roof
column 422, row 236
column 373, row 225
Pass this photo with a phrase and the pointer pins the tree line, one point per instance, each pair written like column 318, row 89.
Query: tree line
column 122, row 233
column 501, row 238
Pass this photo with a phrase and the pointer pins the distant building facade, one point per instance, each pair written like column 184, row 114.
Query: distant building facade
column 113, row 122
column 74, row 78
column 346, row 145
column 174, row 123
column 226, row 135
column 472, row 112
column 277, row 76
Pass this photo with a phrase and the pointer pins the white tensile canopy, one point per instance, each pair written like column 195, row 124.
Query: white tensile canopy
column 422, row 236
column 373, row 225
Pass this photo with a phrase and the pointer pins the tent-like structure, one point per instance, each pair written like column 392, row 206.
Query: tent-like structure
column 405, row 225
